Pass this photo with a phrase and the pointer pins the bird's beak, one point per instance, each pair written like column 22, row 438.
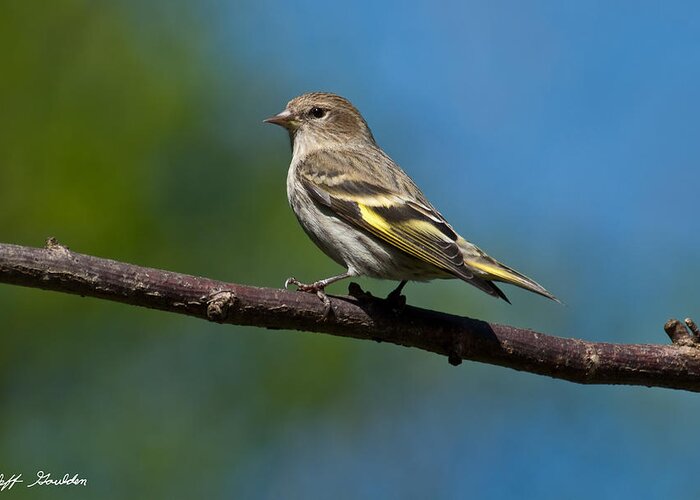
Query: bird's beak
column 283, row 119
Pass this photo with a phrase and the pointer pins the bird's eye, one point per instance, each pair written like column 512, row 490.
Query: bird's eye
column 317, row 112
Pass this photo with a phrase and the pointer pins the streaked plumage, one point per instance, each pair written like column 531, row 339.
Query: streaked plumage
column 365, row 212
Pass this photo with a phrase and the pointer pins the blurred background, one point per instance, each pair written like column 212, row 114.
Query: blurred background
column 561, row 137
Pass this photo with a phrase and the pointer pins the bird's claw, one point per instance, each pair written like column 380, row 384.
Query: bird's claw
column 327, row 307
column 303, row 287
column 291, row 281
column 315, row 288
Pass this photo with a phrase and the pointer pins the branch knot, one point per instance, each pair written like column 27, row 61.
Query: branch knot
column 219, row 304
column 53, row 245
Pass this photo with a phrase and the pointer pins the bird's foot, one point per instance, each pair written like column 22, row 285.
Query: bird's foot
column 356, row 291
column 396, row 300
column 316, row 288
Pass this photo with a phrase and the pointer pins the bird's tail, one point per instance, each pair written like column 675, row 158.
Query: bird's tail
column 492, row 270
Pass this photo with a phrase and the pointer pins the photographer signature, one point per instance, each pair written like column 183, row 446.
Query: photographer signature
column 42, row 479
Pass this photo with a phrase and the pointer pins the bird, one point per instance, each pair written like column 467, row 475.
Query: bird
column 363, row 211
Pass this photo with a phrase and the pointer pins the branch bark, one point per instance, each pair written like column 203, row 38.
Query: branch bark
column 56, row 268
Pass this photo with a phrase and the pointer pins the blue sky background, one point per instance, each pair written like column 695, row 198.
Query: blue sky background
column 562, row 137
column 555, row 133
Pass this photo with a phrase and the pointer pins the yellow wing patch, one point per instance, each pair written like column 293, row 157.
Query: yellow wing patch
column 373, row 218
column 497, row 271
column 419, row 230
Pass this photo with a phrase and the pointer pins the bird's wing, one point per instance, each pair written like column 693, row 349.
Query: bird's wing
column 407, row 224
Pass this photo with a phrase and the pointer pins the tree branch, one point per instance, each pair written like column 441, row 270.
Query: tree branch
column 362, row 317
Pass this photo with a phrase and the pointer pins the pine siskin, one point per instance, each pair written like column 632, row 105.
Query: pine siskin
column 366, row 213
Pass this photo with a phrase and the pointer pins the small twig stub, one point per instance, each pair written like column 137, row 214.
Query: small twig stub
column 683, row 334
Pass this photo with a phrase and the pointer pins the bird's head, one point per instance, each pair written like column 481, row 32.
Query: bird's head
column 323, row 118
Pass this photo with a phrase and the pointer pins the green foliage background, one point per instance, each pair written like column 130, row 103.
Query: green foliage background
column 118, row 139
